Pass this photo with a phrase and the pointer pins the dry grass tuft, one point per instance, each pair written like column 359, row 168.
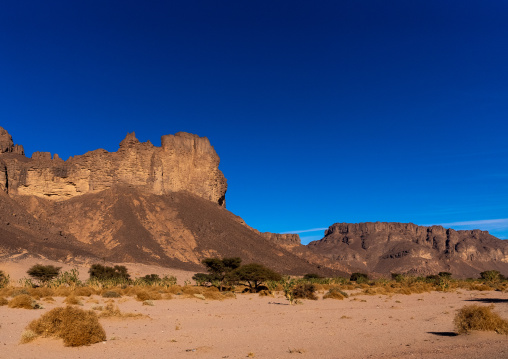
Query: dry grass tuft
column 143, row 295
column 27, row 336
column 23, row 301
column 75, row 326
column 41, row 292
column 477, row 317
column 335, row 293
column 112, row 311
column 73, row 300
column 3, row 301
column 84, row 291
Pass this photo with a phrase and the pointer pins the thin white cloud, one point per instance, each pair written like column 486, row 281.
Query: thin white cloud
column 305, row 230
column 483, row 222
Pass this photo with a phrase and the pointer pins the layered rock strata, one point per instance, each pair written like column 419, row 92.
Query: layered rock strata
column 184, row 162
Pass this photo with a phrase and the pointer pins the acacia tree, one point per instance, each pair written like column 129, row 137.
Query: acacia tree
column 218, row 270
column 254, row 274
column 43, row 273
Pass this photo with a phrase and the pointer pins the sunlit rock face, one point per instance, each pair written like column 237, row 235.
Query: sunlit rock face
column 184, row 162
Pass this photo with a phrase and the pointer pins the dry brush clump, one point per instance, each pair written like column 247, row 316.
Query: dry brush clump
column 112, row 311
column 477, row 317
column 335, row 293
column 23, row 301
column 75, row 326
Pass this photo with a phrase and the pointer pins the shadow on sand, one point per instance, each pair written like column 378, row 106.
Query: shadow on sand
column 488, row 300
column 444, row 334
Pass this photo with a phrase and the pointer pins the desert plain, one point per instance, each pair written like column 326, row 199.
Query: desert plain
column 250, row 325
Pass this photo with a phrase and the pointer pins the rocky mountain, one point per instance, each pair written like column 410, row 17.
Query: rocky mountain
column 166, row 206
column 408, row 248
column 144, row 204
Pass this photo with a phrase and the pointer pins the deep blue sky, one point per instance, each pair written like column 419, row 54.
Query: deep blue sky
column 321, row 112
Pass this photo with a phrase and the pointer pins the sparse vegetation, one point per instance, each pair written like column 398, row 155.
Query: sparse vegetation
column 23, row 301
column 43, row 273
column 102, row 273
column 305, row 291
column 4, row 279
column 476, row 317
column 75, row 326
column 359, row 278
column 335, row 293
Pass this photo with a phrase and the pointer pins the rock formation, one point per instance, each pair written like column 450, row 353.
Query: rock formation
column 6, row 144
column 286, row 239
column 409, row 248
column 184, row 162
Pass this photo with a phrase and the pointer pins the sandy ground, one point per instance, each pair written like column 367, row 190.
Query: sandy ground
column 414, row 326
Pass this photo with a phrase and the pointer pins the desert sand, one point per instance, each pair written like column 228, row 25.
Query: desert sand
column 400, row 326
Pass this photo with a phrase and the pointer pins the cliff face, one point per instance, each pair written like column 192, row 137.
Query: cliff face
column 183, row 162
column 286, row 239
column 407, row 247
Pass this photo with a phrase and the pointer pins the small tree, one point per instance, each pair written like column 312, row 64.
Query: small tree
column 219, row 270
column 100, row 272
column 201, row 278
column 43, row 273
column 312, row 276
column 255, row 274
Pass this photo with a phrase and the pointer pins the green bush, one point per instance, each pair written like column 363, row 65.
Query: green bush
column 4, row 279
column 359, row 277
column 43, row 273
column 100, row 272
column 490, row 275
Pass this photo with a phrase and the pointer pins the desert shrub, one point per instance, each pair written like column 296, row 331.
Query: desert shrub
column 150, row 279
column 3, row 301
column 445, row 275
column 75, row 326
column 62, row 291
column 73, row 300
column 359, row 278
column 111, row 294
column 84, row 291
column 4, row 279
column 397, row 277
column 476, row 317
column 112, row 310
column 143, row 295
column 490, row 275
column 23, row 301
column 43, row 273
column 40, row 292
column 19, row 291
column 305, row 291
column 254, row 275
column 103, row 273
column 335, row 293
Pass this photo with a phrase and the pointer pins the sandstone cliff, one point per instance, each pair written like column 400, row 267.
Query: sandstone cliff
column 184, row 162
column 409, row 248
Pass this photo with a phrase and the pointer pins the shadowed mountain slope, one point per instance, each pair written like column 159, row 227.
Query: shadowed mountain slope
column 125, row 224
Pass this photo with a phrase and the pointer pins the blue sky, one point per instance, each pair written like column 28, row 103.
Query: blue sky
column 321, row 112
